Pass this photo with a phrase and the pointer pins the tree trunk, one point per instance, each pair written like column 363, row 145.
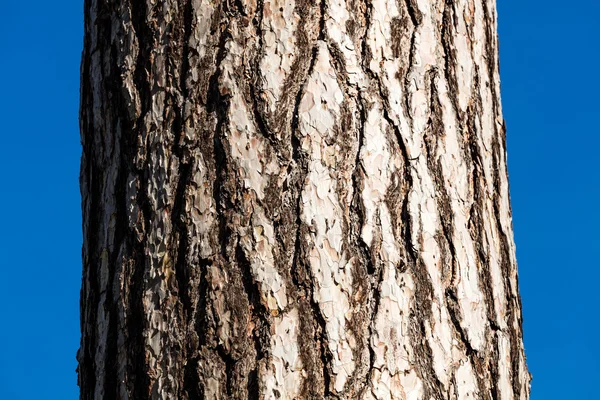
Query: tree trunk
column 296, row 200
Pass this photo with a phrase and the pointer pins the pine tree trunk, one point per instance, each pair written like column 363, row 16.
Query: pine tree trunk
column 296, row 200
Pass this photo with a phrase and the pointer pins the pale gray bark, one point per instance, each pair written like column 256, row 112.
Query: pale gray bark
column 296, row 200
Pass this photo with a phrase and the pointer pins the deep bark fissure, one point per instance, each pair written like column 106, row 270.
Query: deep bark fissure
column 137, row 321
column 219, row 104
column 425, row 360
column 453, row 309
column 259, row 311
column 493, row 369
column 262, row 125
column 414, row 12
column 300, row 278
column 357, row 176
column 181, row 236
column 322, row 26
column 229, row 368
column 110, row 383
column 191, row 383
column 449, row 57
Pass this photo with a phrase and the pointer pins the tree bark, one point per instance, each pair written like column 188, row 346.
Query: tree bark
column 296, row 200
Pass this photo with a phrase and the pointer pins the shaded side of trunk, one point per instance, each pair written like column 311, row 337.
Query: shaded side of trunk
column 296, row 200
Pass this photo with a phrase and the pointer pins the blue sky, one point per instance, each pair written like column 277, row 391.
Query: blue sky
column 549, row 62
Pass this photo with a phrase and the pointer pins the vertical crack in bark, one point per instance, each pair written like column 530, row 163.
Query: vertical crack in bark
column 373, row 269
column 137, row 368
column 219, row 104
column 259, row 313
column 424, row 358
column 300, row 273
column 193, row 312
column 322, row 26
column 376, row 288
column 200, row 319
column 493, row 366
column 454, row 311
column 400, row 140
column 137, row 321
column 475, row 225
column 476, row 221
column 262, row 125
column 121, row 229
column 365, row 58
column 191, row 383
column 414, row 12
column 302, row 280
column 253, row 387
column 491, row 62
column 417, row 19
column 436, row 128
column 450, row 61
column 229, row 369
column 180, row 238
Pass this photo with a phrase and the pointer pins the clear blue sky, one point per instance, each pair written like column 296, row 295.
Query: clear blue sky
column 549, row 69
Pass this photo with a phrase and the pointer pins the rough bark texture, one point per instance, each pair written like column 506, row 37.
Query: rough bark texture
column 296, row 200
